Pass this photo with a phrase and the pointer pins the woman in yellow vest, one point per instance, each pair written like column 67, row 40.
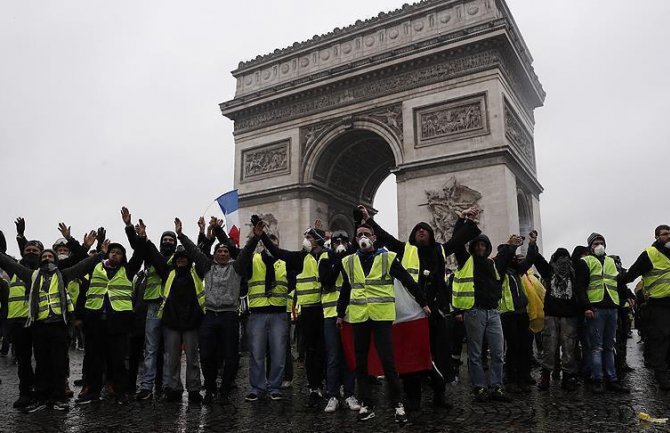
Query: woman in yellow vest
column 106, row 307
column 49, row 311
column 653, row 265
column 369, row 294
column 308, row 265
column 600, row 295
column 180, row 312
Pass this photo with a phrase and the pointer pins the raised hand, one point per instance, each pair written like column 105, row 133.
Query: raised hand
column 318, row 224
column 141, row 229
column 64, row 230
column 177, row 226
column 515, row 240
column 20, row 226
column 258, row 228
column 105, row 246
column 201, row 224
column 125, row 216
column 364, row 212
column 101, row 235
column 532, row 237
column 89, row 239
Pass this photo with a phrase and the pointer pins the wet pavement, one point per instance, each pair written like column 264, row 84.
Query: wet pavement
column 552, row 411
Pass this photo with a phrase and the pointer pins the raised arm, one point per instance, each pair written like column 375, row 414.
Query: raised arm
column 20, row 233
column 641, row 266
column 383, row 237
column 531, row 254
column 505, row 256
column 244, row 258
column 202, row 262
column 84, row 267
column 399, row 273
column 465, row 230
column 293, row 259
column 157, row 260
column 222, row 237
column 129, row 229
column 10, row 265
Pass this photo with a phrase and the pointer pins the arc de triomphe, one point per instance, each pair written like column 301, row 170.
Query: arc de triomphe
column 441, row 93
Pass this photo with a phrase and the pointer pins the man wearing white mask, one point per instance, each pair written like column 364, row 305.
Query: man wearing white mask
column 653, row 265
column 600, row 295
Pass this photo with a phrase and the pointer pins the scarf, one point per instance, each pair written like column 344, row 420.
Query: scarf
column 33, row 298
column 562, row 279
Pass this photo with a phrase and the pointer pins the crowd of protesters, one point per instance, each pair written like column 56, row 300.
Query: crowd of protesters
column 138, row 314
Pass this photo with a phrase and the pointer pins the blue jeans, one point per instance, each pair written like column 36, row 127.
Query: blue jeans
column 602, row 336
column 480, row 324
column 152, row 340
column 267, row 330
column 337, row 371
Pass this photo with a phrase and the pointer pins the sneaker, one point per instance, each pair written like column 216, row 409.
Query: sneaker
column 498, row 394
column 314, row 398
column 286, row 384
column 352, row 403
column 251, row 397
column 332, row 405
column 276, row 396
column 22, row 402
column 365, row 413
column 35, row 407
column 59, row 406
column 87, row 398
column 194, row 397
column 617, row 387
column 144, row 394
column 480, row 394
column 208, row 399
column 400, row 415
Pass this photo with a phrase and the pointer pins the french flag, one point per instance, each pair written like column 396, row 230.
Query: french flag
column 230, row 204
column 411, row 340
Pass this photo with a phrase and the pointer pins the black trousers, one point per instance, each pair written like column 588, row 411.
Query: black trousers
column 518, row 338
column 312, row 328
column 363, row 332
column 50, row 346
column 22, row 339
column 135, row 356
column 440, row 349
column 657, row 340
column 219, row 333
column 288, row 366
column 105, row 347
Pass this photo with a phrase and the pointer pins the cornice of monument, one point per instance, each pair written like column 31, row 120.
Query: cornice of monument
column 382, row 36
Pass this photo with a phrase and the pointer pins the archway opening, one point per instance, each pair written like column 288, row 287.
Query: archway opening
column 525, row 216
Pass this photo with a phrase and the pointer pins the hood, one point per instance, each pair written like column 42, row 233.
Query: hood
column 559, row 253
column 481, row 238
column 426, row 227
column 578, row 252
column 180, row 251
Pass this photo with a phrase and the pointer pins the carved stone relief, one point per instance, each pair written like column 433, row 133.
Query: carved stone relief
column 266, row 161
column 451, row 121
column 518, row 135
column 446, row 204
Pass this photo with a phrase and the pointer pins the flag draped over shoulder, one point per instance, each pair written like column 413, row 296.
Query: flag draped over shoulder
column 229, row 204
column 411, row 341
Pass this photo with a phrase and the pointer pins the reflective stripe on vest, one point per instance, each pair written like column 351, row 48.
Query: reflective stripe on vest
column 199, row 290
column 463, row 286
column 657, row 281
column 119, row 290
column 411, row 262
column 601, row 278
column 154, row 289
column 307, row 284
column 17, row 303
column 73, row 289
column 329, row 299
column 277, row 296
column 372, row 295
column 507, row 301
column 50, row 300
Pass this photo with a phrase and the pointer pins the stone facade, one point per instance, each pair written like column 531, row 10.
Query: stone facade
column 441, row 93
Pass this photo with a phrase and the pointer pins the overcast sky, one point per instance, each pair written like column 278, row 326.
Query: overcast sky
column 104, row 104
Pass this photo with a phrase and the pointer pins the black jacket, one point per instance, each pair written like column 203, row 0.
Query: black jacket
column 515, row 271
column 556, row 304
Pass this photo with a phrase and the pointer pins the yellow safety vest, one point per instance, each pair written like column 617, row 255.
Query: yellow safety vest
column 307, row 284
column 17, row 302
column 329, row 299
column 602, row 278
column 410, row 260
column 154, row 289
column 657, row 281
column 372, row 295
column 73, row 289
column 507, row 301
column 277, row 297
column 119, row 289
column 50, row 301
column 199, row 290
column 463, row 287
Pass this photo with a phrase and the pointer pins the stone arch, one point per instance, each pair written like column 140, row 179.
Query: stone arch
column 525, row 210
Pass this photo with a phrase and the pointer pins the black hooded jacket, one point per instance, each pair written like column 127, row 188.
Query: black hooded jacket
column 488, row 288
column 431, row 259
column 560, row 299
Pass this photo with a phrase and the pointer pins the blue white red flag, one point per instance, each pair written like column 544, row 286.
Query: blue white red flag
column 229, row 204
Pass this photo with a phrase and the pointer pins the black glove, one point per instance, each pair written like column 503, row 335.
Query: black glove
column 20, row 226
column 358, row 216
column 3, row 243
column 254, row 220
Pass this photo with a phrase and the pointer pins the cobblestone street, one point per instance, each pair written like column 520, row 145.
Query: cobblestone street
column 555, row 411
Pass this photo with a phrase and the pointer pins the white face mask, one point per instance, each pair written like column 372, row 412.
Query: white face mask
column 667, row 245
column 63, row 256
column 364, row 242
column 599, row 250
column 306, row 245
column 340, row 249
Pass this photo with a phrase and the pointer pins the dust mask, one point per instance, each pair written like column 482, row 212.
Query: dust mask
column 364, row 243
column 599, row 250
column 306, row 245
column 340, row 249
